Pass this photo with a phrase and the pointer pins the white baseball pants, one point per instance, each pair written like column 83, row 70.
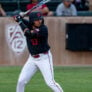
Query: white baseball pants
column 45, row 65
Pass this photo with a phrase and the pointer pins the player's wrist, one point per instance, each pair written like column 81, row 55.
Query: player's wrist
column 19, row 22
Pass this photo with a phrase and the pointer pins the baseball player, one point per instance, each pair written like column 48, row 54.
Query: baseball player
column 40, row 57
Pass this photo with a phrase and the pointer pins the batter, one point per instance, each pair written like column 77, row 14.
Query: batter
column 40, row 57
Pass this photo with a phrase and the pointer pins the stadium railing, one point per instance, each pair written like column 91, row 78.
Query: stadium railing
column 84, row 13
column 13, row 5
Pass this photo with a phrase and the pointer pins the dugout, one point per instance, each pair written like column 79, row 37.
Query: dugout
column 79, row 36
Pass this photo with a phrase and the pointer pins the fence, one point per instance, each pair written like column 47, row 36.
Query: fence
column 13, row 49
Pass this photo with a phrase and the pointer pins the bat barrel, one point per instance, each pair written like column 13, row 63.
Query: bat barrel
column 39, row 4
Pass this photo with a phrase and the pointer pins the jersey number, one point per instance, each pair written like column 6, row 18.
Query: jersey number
column 34, row 41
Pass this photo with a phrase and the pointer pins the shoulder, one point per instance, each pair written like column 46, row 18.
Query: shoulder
column 29, row 6
column 72, row 6
column 61, row 5
column 43, row 27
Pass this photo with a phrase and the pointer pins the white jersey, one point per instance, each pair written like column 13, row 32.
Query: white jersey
column 64, row 11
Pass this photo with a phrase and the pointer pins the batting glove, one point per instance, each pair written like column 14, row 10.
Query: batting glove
column 22, row 14
column 17, row 18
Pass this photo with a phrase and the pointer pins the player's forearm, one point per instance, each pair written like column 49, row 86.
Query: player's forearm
column 24, row 28
column 2, row 12
column 22, row 25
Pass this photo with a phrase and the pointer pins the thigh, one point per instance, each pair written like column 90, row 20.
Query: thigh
column 46, row 68
column 28, row 70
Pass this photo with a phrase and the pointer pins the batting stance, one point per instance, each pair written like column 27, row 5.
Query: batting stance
column 40, row 56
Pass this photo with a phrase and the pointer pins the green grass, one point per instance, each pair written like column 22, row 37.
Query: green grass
column 72, row 79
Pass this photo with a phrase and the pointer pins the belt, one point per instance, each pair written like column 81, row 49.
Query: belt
column 38, row 55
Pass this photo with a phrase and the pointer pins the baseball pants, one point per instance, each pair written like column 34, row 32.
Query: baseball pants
column 45, row 65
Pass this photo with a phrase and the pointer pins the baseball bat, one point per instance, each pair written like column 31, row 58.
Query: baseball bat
column 39, row 4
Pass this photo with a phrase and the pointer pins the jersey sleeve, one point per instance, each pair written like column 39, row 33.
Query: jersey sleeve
column 40, row 32
column 26, row 22
column 24, row 28
column 43, row 31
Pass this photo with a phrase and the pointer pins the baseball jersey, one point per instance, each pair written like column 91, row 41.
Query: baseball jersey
column 37, row 42
column 63, row 11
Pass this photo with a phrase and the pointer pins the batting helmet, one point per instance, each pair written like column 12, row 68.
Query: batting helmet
column 35, row 16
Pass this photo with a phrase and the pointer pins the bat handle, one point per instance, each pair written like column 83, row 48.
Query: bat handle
column 22, row 14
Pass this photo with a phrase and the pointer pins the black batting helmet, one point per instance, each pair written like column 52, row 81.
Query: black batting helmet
column 33, row 16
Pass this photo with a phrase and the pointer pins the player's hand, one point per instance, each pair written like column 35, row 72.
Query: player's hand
column 22, row 14
column 17, row 18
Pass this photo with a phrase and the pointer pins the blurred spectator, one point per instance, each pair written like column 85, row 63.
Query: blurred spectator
column 66, row 8
column 44, row 9
column 2, row 12
column 81, row 5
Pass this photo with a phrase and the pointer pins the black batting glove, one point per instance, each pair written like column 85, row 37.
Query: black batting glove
column 17, row 18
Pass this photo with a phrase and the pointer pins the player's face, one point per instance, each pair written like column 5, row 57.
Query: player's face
column 37, row 23
column 67, row 3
